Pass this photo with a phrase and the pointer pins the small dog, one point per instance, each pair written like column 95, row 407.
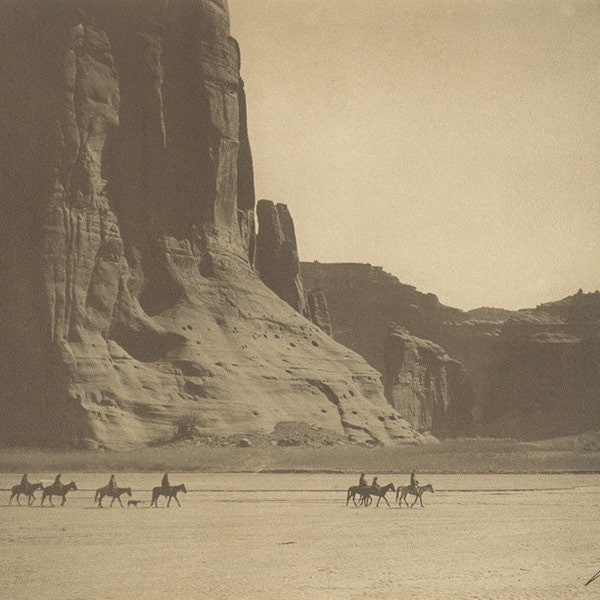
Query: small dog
column 133, row 503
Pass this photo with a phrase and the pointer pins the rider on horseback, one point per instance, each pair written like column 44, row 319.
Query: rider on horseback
column 165, row 483
column 413, row 481
column 25, row 482
column 362, row 482
column 112, row 484
column 375, row 484
column 58, row 484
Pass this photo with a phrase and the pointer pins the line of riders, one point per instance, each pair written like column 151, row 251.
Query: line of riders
column 58, row 488
column 362, row 494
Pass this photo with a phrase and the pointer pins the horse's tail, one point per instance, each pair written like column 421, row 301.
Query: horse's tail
column 348, row 496
column 96, row 496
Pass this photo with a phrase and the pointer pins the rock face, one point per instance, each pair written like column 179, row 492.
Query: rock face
column 129, row 299
column 429, row 389
column 277, row 260
column 474, row 343
column 318, row 311
column 533, row 372
column 544, row 378
column 426, row 386
column 278, row 264
column 363, row 300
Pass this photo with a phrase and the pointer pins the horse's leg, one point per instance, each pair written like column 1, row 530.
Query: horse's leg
column 386, row 501
column 63, row 501
column 177, row 501
column 111, row 502
column 119, row 499
column 169, row 501
column 416, row 498
column 100, row 501
column 50, row 500
column 10, row 499
column 31, row 500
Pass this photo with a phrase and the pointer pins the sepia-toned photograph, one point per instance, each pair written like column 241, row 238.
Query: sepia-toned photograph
column 299, row 299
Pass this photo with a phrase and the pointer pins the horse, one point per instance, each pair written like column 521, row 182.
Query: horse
column 380, row 492
column 360, row 490
column 58, row 490
column 116, row 493
column 169, row 492
column 402, row 492
column 26, row 489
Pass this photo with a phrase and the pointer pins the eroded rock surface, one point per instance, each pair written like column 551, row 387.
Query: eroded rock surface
column 129, row 299
column 427, row 387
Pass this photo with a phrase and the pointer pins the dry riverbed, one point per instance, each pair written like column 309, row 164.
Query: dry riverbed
column 257, row 535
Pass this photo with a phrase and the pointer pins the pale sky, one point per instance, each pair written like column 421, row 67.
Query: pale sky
column 455, row 143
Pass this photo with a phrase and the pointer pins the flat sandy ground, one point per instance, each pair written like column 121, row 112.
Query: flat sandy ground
column 292, row 536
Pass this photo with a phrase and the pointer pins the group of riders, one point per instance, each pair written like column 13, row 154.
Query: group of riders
column 363, row 493
column 362, row 482
column 58, row 487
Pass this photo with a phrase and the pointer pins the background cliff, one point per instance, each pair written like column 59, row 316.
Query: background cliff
column 544, row 376
column 427, row 387
column 129, row 298
column 531, row 373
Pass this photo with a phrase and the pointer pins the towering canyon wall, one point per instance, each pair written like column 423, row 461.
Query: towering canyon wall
column 128, row 294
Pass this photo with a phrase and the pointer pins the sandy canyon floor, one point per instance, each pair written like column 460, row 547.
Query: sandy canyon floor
column 292, row 536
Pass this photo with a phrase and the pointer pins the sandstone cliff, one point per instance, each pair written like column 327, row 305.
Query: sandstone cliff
column 363, row 300
column 318, row 310
column 544, row 375
column 430, row 390
column 277, row 260
column 533, row 372
column 427, row 387
column 129, row 299
column 278, row 264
